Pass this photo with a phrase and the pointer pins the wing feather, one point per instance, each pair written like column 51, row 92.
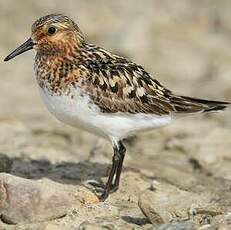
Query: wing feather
column 115, row 84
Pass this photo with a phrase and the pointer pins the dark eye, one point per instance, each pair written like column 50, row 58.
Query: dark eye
column 51, row 30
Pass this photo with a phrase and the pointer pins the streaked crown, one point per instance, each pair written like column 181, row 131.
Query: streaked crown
column 56, row 33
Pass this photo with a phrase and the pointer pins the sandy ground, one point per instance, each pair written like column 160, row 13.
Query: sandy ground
column 186, row 45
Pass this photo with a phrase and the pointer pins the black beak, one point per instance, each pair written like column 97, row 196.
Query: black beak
column 28, row 45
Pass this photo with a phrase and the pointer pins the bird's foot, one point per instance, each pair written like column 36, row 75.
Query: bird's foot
column 114, row 188
column 104, row 195
column 106, row 192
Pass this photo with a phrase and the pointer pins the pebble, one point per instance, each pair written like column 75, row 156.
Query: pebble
column 183, row 225
column 165, row 203
column 28, row 201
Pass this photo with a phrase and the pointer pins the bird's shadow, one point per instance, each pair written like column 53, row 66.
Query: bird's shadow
column 63, row 172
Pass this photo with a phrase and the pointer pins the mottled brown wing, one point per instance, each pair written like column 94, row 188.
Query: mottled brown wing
column 118, row 85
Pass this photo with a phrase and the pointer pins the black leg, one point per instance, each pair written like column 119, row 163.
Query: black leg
column 121, row 151
column 117, row 163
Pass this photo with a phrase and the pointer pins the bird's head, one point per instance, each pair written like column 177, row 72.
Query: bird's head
column 53, row 34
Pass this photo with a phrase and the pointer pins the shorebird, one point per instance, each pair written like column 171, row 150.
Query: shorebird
column 88, row 87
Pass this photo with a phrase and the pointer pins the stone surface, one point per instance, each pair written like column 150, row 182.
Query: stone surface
column 25, row 201
column 96, row 226
column 52, row 227
column 166, row 203
column 187, row 225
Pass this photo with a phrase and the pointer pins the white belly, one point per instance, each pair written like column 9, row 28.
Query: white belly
column 80, row 113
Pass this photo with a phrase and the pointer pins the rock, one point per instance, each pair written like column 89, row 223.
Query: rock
column 221, row 222
column 166, row 203
column 86, row 225
column 89, row 198
column 26, row 201
column 51, row 226
column 34, row 226
column 184, row 225
column 5, row 163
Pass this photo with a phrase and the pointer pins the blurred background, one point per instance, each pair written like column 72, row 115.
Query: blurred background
column 185, row 44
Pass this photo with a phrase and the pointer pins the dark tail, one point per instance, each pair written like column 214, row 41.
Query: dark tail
column 183, row 104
